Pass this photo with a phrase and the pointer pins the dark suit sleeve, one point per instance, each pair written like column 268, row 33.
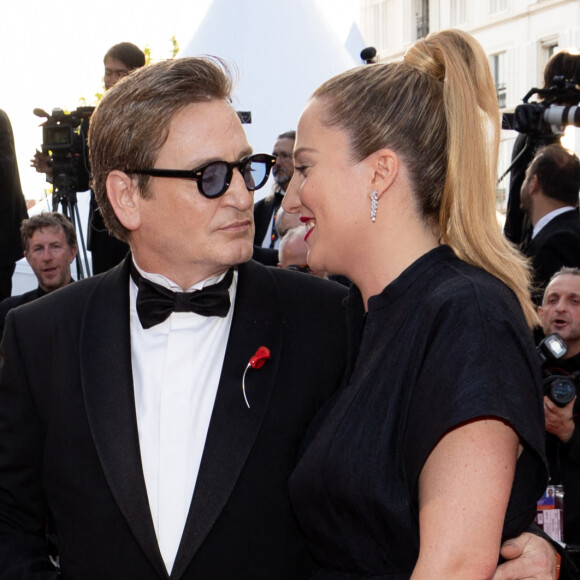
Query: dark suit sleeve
column 7, row 153
column 23, row 550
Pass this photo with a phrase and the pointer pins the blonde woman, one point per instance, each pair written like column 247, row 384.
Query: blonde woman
column 432, row 451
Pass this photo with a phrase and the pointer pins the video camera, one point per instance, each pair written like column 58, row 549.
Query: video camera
column 560, row 389
column 64, row 140
column 557, row 109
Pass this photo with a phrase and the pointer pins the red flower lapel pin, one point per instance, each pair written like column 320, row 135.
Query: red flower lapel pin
column 256, row 362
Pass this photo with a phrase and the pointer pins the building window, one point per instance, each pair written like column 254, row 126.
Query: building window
column 421, row 12
column 378, row 23
column 497, row 64
column 546, row 48
column 458, row 12
column 496, row 6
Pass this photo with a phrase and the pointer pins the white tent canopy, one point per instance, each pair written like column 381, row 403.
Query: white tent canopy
column 283, row 49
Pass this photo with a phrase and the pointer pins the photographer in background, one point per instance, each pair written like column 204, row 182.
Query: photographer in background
column 106, row 250
column 560, row 312
column 517, row 228
column 549, row 198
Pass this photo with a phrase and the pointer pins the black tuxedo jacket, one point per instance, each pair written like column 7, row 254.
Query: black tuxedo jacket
column 557, row 245
column 14, row 301
column 69, row 445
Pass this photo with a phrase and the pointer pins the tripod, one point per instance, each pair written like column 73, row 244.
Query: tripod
column 65, row 195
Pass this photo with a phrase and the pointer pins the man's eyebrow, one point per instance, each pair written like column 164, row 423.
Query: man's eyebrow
column 200, row 162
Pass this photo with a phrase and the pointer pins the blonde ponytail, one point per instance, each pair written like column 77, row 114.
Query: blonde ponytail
column 438, row 110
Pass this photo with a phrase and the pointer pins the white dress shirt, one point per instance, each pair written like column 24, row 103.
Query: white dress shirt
column 176, row 370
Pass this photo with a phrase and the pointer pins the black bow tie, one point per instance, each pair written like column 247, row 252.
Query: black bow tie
column 155, row 303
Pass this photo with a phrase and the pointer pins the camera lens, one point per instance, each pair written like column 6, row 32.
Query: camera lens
column 561, row 391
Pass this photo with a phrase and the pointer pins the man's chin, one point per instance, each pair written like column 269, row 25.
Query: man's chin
column 242, row 254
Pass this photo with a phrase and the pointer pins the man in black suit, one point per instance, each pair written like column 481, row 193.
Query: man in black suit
column 108, row 424
column 266, row 240
column 157, row 442
column 549, row 197
column 50, row 246
column 12, row 207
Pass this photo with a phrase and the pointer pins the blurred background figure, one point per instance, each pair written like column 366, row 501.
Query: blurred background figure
column 12, row 207
column 265, row 234
column 286, row 221
column 50, row 247
column 549, row 199
column 293, row 252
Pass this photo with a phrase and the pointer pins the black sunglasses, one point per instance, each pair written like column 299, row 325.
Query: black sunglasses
column 214, row 178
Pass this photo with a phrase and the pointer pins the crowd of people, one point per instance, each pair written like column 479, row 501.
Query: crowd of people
column 194, row 413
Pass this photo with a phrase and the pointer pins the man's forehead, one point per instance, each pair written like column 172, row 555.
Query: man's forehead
column 56, row 231
column 564, row 284
column 207, row 131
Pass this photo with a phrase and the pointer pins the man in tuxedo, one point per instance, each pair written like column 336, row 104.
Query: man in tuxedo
column 155, row 427
column 12, row 207
column 549, row 197
column 134, row 435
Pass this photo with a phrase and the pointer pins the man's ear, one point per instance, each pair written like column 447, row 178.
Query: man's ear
column 74, row 251
column 533, row 184
column 385, row 166
column 125, row 197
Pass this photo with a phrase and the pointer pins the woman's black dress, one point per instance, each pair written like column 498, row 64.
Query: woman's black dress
column 443, row 344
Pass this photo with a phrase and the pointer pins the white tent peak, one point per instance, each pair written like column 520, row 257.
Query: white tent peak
column 283, row 49
column 354, row 42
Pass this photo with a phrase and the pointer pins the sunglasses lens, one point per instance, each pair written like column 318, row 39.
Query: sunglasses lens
column 255, row 172
column 213, row 180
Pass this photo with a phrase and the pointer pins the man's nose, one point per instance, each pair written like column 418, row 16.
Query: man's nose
column 238, row 192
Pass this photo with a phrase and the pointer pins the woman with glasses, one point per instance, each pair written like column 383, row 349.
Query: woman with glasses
column 432, row 451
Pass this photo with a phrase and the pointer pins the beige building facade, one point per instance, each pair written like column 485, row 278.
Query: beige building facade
column 519, row 36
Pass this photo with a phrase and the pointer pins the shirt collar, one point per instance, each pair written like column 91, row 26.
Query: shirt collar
column 171, row 285
column 545, row 220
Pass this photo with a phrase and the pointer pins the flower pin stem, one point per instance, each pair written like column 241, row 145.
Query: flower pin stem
column 256, row 362
column 244, row 385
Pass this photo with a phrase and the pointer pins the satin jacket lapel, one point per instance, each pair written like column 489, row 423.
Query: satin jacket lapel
column 257, row 321
column 108, row 390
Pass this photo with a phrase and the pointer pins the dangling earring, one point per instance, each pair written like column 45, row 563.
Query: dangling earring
column 374, row 204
